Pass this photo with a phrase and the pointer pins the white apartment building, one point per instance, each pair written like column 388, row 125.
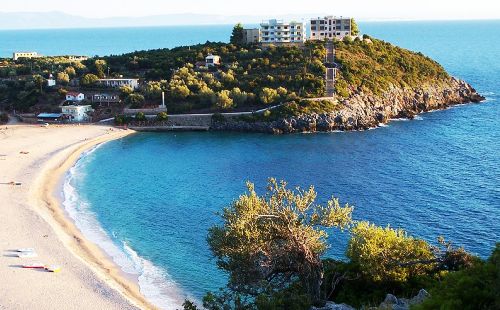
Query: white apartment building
column 278, row 31
column 18, row 55
column 330, row 27
column 77, row 113
column 117, row 83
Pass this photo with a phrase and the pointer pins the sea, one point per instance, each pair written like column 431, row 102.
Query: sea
column 149, row 199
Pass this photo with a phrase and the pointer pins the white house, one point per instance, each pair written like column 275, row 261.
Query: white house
column 278, row 31
column 75, row 96
column 77, row 113
column 117, row 83
column 212, row 60
column 330, row 27
column 18, row 55
column 51, row 82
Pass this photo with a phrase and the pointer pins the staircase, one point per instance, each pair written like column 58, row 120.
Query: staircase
column 330, row 70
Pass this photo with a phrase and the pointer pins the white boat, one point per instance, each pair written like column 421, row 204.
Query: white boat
column 25, row 250
column 27, row 254
column 34, row 266
column 53, row 268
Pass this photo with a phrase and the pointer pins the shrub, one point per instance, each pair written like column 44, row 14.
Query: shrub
column 140, row 116
column 268, row 95
column 4, row 118
column 386, row 254
column 135, row 101
column 162, row 117
column 477, row 287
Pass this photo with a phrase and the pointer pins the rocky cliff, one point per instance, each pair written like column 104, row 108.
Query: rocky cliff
column 362, row 111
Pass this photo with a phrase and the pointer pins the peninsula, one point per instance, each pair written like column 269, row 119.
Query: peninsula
column 273, row 79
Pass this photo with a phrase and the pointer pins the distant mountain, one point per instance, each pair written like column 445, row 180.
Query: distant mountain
column 34, row 20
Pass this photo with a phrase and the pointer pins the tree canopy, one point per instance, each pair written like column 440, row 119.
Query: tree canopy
column 266, row 242
column 237, row 34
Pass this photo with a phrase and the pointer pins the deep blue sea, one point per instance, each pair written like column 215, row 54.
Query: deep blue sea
column 149, row 199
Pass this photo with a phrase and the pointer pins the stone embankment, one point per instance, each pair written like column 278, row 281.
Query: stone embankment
column 362, row 111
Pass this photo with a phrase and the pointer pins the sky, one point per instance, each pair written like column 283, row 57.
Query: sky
column 361, row 9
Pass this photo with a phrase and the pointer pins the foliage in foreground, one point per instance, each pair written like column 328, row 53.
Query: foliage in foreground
column 268, row 242
column 271, row 245
column 477, row 287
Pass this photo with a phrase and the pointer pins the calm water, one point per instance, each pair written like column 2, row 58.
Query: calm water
column 155, row 195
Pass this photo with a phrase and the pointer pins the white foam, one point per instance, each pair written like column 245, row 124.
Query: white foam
column 155, row 284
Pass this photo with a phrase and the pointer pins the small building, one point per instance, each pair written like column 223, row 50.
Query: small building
column 77, row 113
column 17, row 55
column 51, row 82
column 75, row 96
column 77, row 58
column 212, row 60
column 103, row 98
column 117, row 83
column 251, row 36
column 330, row 27
column 49, row 117
column 278, row 31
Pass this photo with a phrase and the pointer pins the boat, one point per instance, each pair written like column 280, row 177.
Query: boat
column 27, row 254
column 53, row 268
column 34, row 266
column 25, row 250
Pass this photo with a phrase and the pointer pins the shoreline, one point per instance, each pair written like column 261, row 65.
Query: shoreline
column 49, row 191
column 39, row 158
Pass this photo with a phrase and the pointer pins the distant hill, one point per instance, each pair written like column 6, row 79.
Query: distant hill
column 36, row 20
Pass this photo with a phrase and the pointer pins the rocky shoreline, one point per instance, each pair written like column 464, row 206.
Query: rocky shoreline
column 364, row 111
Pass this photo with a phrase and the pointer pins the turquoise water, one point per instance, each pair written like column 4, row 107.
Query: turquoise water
column 155, row 195
column 107, row 41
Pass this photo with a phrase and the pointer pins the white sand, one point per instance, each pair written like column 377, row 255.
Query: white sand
column 30, row 216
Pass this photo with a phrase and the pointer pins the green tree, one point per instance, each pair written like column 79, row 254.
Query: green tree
column 89, row 80
column 354, row 27
column 224, row 100
column 70, row 71
column 101, row 66
column 476, row 287
column 237, row 34
column 239, row 97
column 140, row 116
column 125, row 91
column 267, row 242
column 386, row 254
column 39, row 81
column 162, row 117
column 62, row 78
column 135, row 101
column 268, row 95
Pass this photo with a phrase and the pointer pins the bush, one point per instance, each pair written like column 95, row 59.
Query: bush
column 477, row 287
column 386, row 254
column 162, row 117
column 268, row 95
column 4, row 118
column 135, row 101
column 140, row 116
column 122, row 120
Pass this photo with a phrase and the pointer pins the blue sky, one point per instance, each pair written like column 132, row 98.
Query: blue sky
column 362, row 9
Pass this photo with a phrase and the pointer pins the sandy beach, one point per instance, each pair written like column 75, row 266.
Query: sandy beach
column 31, row 217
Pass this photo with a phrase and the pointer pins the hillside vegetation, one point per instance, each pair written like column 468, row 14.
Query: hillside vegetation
column 373, row 65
